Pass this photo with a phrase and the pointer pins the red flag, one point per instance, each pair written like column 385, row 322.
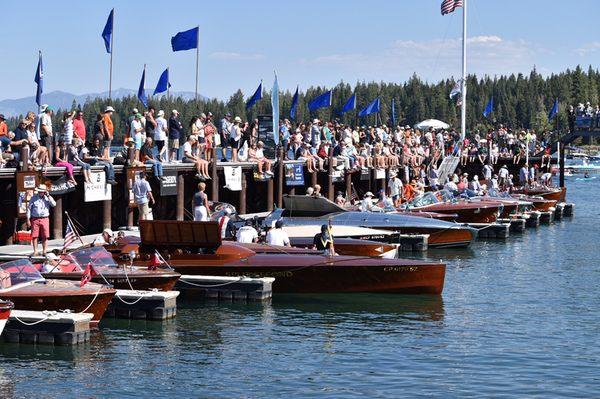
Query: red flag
column 156, row 262
column 88, row 274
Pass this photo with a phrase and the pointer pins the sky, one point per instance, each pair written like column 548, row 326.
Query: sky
column 307, row 42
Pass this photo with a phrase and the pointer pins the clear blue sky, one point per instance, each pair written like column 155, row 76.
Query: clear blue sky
column 307, row 42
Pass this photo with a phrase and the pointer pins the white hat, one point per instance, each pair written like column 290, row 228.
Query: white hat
column 315, row 120
column 52, row 256
column 108, row 231
column 193, row 137
column 237, row 119
column 41, row 188
column 369, row 194
column 161, row 113
column 109, row 109
column 174, row 111
column 43, row 107
column 135, row 110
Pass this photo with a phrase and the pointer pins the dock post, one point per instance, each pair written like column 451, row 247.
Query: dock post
column 25, row 158
column 107, row 214
column 330, row 193
column 214, row 176
column 270, row 195
column 561, row 162
column 280, row 174
column 348, row 178
column 313, row 179
column 180, row 196
column 242, row 208
column 57, row 219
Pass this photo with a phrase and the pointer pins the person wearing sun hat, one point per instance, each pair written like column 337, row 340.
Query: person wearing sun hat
column 109, row 130
column 38, row 217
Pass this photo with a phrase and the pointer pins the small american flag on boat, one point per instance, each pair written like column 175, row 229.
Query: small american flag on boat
column 70, row 235
column 449, row 6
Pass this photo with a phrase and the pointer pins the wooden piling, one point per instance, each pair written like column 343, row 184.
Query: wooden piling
column 270, row 199
column 57, row 219
column 280, row 175
column 25, row 158
column 348, row 178
column 330, row 193
column 242, row 208
column 180, row 197
column 214, row 176
column 107, row 214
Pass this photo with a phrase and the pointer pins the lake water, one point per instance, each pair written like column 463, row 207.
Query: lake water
column 520, row 318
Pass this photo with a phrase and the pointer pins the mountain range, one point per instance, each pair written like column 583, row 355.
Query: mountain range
column 63, row 100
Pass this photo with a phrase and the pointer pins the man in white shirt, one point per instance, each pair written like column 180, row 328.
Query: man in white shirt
column 247, row 234
column 277, row 236
column 142, row 194
column 160, row 136
column 395, row 188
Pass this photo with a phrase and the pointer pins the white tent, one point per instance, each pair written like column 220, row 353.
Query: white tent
column 433, row 123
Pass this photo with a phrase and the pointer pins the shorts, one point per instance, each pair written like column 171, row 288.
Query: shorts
column 40, row 228
column 145, row 211
column 233, row 143
column 395, row 197
column 107, row 143
column 174, row 144
column 200, row 214
column 201, row 140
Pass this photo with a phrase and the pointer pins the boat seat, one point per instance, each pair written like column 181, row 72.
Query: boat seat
column 4, row 280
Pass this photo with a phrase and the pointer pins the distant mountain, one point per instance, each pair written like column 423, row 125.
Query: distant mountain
column 62, row 100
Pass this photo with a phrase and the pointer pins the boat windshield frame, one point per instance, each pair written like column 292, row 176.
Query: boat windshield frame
column 425, row 199
column 26, row 272
column 76, row 257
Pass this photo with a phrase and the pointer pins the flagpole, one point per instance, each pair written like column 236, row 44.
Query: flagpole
column 463, row 109
column 112, row 49
column 41, row 77
column 168, row 83
column 197, row 59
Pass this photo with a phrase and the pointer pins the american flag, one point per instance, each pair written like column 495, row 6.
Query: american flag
column 449, row 6
column 70, row 235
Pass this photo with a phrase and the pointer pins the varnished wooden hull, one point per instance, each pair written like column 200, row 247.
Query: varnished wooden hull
column 5, row 308
column 469, row 213
column 60, row 295
column 146, row 280
column 352, row 247
column 440, row 238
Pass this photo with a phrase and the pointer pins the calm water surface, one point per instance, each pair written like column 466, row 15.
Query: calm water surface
column 520, row 318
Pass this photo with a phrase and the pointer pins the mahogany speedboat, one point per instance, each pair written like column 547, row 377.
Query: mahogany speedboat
column 512, row 206
column 72, row 266
column 548, row 193
column 196, row 248
column 442, row 234
column 466, row 211
column 5, row 308
column 343, row 246
column 28, row 290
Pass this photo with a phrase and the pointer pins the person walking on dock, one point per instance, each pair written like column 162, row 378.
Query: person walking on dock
column 201, row 209
column 142, row 194
column 38, row 217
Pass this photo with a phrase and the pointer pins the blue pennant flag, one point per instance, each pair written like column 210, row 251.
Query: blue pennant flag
column 553, row 111
column 275, row 105
column 141, row 91
column 255, row 97
column 372, row 108
column 393, row 112
column 185, row 40
column 324, row 100
column 163, row 83
column 39, row 79
column 350, row 104
column 294, row 107
column 489, row 108
column 108, row 30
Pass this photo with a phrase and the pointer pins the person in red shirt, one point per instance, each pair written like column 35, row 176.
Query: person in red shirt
column 4, row 139
column 108, row 130
column 79, row 126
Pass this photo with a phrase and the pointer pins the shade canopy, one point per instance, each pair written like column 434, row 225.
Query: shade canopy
column 431, row 123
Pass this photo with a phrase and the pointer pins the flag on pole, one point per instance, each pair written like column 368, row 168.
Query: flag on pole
column 489, row 108
column 163, row 83
column 553, row 111
column 255, row 97
column 456, row 90
column 88, row 274
column 349, row 105
column 39, row 79
column 70, row 235
column 449, row 6
column 393, row 112
column 324, row 100
column 156, row 261
column 294, row 107
column 275, row 106
column 372, row 108
column 186, row 40
column 107, row 31
column 141, row 91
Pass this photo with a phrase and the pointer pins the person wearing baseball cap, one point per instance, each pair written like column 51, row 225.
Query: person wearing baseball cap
column 38, row 217
column 4, row 139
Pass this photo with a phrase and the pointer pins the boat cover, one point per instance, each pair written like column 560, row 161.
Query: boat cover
column 180, row 233
column 304, row 205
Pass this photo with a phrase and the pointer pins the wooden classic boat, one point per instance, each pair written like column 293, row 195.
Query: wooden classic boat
column 303, row 210
column 28, row 290
column 466, row 211
column 196, row 248
column 557, row 194
column 5, row 308
column 72, row 266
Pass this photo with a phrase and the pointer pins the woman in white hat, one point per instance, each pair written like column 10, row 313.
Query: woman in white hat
column 160, row 136
column 234, row 138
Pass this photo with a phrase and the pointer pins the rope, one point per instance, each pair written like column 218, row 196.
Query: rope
column 130, row 303
column 93, row 300
column 48, row 314
column 215, row 285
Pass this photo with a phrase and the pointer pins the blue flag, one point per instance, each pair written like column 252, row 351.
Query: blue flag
column 324, row 100
column 489, row 108
column 107, row 32
column 39, row 79
column 372, row 108
column 275, row 105
column 393, row 112
column 255, row 97
column 553, row 111
column 141, row 91
column 185, row 40
column 163, row 83
column 350, row 104
column 294, row 107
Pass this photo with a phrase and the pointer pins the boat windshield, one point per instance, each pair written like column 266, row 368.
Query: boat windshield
column 21, row 271
column 492, row 192
column 426, row 199
column 97, row 256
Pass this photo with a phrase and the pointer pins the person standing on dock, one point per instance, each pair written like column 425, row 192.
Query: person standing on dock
column 46, row 133
column 142, row 194
column 160, row 137
column 38, row 217
column 226, row 126
column 175, row 134
column 109, row 130
column 79, row 126
column 201, row 209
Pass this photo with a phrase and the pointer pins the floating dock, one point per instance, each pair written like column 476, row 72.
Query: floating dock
column 492, row 230
column 413, row 242
column 533, row 221
column 226, row 288
column 146, row 305
column 47, row 328
column 517, row 224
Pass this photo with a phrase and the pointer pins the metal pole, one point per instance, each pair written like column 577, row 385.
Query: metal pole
column 112, row 49
column 197, row 60
column 168, row 78
column 463, row 108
